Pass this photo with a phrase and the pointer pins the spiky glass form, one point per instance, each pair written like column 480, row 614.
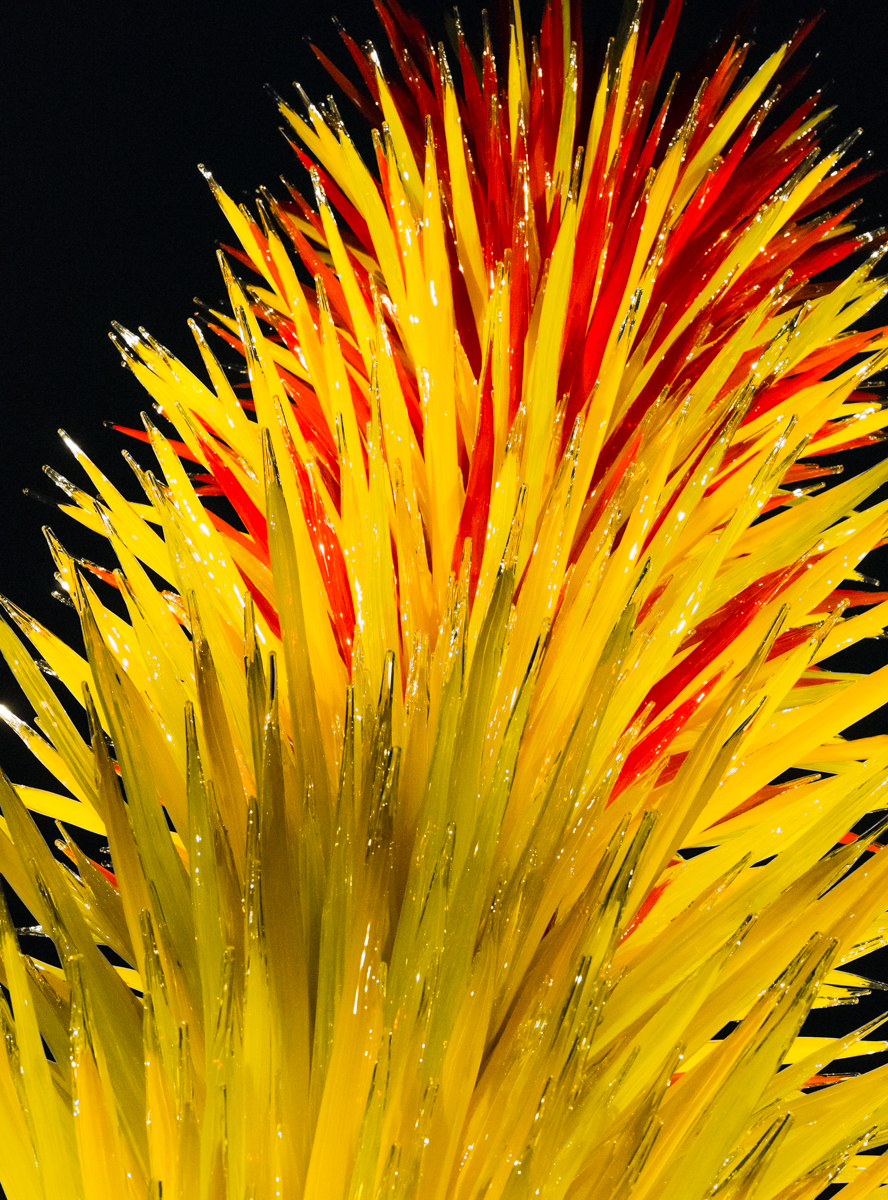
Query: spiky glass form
column 500, row 633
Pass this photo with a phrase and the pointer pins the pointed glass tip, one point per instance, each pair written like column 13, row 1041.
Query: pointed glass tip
column 126, row 334
column 70, row 443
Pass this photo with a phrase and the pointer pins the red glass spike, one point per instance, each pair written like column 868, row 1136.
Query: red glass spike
column 649, row 146
column 677, row 493
column 809, row 371
column 112, row 878
column 827, row 256
column 835, row 187
column 365, row 105
column 317, row 267
column 655, row 57
column 819, row 676
column 407, row 380
column 848, row 839
column 653, row 747
column 427, row 106
column 409, row 27
column 761, row 175
column 552, row 65
column 462, row 456
column 606, row 494
column 868, row 439
column 667, row 373
column 790, row 639
column 761, row 797
column 788, row 127
column 266, row 608
column 713, row 637
column 69, row 854
column 652, row 599
column 301, row 207
column 698, row 214
column 536, row 158
column 365, row 67
column 241, row 255
column 464, row 316
column 476, row 507
column 328, row 555
column 714, row 95
column 857, row 598
column 236, row 494
column 497, row 195
column 799, row 250
column 490, row 90
column 593, row 230
column 645, row 909
column 406, row 55
column 475, row 124
column 519, row 316
column 141, row 436
column 550, row 233
column 673, row 766
column 226, row 336
column 626, row 229
column 841, row 349
column 311, row 420
column 343, row 206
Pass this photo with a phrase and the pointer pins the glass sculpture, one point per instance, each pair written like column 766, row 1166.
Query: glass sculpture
column 531, row 562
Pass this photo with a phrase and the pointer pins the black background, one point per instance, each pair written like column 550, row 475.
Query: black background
column 106, row 111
